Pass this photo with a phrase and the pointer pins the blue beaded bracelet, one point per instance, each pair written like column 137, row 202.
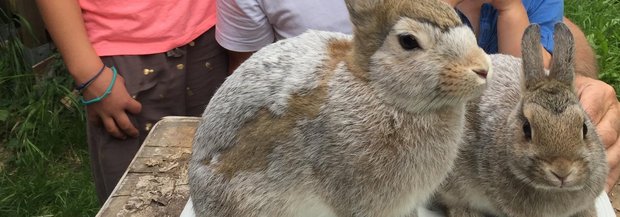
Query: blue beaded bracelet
column 105, row 94
column 90, row 81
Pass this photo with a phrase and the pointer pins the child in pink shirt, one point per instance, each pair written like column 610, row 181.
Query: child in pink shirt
column 135, row 62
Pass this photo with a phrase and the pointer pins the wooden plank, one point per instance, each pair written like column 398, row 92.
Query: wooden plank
column 151, row 195
column 160, row 165
column 173, row 132
column 113, row 202
column 126, row 186
column 156, row 182
column 167, row 152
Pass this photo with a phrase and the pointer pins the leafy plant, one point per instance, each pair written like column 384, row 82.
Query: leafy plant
column 47, row 172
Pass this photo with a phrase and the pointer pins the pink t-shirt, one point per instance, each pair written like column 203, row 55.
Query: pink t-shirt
column 136, row 27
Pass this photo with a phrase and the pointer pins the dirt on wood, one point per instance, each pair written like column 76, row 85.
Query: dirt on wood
column 152, row 194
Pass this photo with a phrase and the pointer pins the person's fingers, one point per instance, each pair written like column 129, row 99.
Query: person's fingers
column 125, row 125
column 613, row 160
column 607, row 129
column 592, row 102
column 130, row 104
column 134, row 107
column 111, row 127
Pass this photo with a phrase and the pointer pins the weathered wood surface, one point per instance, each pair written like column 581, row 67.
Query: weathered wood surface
column 156, row 182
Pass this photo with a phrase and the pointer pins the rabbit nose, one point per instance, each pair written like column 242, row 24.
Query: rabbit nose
column 561, row 175
column 481, row 72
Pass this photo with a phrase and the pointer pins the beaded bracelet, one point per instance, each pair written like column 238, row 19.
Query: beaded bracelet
column 90, row 81
column 105, row 94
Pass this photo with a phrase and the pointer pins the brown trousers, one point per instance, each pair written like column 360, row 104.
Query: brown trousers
column 178, row 82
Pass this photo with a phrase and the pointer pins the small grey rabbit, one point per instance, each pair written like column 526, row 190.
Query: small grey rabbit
column 325, row 124
column 530, row 149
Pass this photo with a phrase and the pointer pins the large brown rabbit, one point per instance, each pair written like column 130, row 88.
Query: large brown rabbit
column 325, row 124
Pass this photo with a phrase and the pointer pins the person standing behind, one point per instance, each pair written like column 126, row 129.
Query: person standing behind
column 133, row 63
column 245, row 26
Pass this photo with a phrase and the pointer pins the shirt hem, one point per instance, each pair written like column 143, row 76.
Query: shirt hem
column 151, row 48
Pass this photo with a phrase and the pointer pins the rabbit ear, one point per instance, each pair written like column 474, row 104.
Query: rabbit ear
column 533, row 69
column 563, row 60
column 360, row 10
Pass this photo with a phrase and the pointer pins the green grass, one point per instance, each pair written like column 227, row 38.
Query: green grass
column 600, row 22
column 43, row 152
column 44, row 168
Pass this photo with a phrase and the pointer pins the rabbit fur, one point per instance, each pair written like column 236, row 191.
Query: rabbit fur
column 529, row 149
column 327, row 124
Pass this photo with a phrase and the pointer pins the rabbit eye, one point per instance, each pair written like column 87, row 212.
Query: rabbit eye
column 527, row 130
column 408, row 42
column 585, row 130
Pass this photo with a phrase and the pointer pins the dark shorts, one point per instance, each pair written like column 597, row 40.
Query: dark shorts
column 178, row 82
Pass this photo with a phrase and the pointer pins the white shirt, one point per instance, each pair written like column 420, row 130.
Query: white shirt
column 248, row 25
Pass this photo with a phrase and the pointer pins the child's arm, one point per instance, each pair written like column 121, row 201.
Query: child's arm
column 511, row 23
column 63, row 19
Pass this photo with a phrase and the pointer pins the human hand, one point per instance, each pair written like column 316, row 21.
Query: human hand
column 600, row 102
column 111, row 111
